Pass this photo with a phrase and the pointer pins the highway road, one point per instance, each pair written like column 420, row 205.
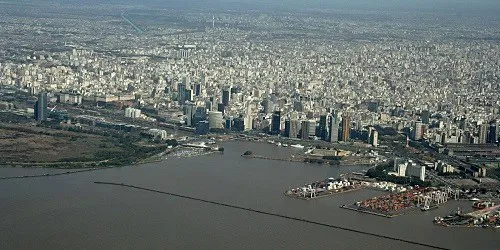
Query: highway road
column 139, row 30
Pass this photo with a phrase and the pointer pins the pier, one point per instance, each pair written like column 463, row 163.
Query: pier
column 378, row 213
column 54, row 174
column 321, row 195
column 291, row 159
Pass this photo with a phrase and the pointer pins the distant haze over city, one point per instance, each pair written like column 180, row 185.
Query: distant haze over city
column 446, row 6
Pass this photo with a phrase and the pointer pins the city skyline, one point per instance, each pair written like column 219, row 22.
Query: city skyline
column 195, row 124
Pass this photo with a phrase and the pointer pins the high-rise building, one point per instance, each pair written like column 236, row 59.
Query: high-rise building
column 308, row 129
column 373, row 106
column 374, row 138
column 235, row 89
column 305, row 130
column 415, row 170
column 346, row 128
column 199, row 115
column 220, row 107
column 493, row 133
column 239, row 124
column 41, row 113
column 323, row 127
column 189, row 95
column 181, row 90
column 294, row 128
column 297, row 106
column 202, row 128
column 197, row 89
column 425, row 116
column 483, row 133
column 276, row 123
column 225, row 97
column 186, row 80
column 287, row 128
column 189, row 111
column 228, row 123
column 183, row 53
column 267, row 105
column 333, row 136
column 368, row 134
column 417, row 132
column 208, row 105
column 215, row 120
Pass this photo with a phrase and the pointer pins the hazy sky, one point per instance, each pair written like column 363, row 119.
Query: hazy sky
column 476, row 6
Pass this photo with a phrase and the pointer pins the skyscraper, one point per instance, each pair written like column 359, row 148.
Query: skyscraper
column 323, row 127
column 346, row 128
column 225, row 97
column 239, row 124
column 297, row 106
column 215, row 120
column 189, row 95
column 208, row 105
column 220, row 107
column 41, row 107
column 202, row 128
column 267, row 105
column 199, row 115
column 493, row 133
column 308, row 129
column 483, row 133
column 228, row 123
column 181, row 90
column 294, row 128
column 333, row 122
column 305, row 130
column 425, row 116
column 374, row 138
column 190, row 110
column 417, row 132
column 197, row 89
column 287, row 128
column 276, row 123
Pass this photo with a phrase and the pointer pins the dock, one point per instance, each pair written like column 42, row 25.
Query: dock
column 321, row 195
column 379, row 213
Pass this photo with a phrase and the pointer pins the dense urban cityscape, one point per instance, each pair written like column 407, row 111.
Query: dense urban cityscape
column 411, row 96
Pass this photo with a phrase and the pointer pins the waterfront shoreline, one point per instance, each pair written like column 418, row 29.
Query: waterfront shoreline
column 304, row 160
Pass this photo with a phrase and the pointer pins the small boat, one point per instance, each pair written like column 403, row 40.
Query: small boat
column 425, row 208
column 297, row 146
column 438, row 219
column 474, row 199
column 483, row 205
